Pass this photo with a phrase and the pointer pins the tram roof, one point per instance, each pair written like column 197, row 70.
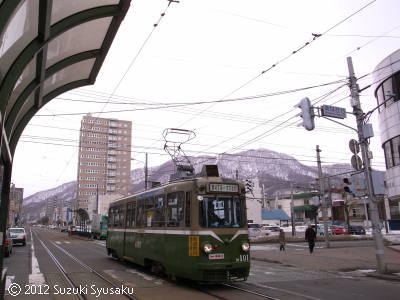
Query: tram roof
column 49, row 47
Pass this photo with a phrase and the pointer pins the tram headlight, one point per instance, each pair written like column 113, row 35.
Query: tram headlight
column 245, row 247
column 207, row 248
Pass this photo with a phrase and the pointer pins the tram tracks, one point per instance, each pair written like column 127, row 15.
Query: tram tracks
column 69, row 280
column 250, row 292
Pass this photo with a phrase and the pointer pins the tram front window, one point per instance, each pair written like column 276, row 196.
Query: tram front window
column 220, row 212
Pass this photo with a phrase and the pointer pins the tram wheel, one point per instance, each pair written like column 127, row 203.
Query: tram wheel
column 157, row 268
column 114, row 254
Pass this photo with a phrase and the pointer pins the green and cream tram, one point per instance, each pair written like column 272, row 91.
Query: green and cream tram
column 194, row 228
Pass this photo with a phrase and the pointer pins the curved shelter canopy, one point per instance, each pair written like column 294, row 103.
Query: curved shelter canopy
column 48, row 47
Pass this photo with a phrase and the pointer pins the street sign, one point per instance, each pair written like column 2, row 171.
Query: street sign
column 354, row 146
column 356, row 162
column 333, row 111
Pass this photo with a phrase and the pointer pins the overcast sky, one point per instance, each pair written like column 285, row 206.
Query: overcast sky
column 208, row 50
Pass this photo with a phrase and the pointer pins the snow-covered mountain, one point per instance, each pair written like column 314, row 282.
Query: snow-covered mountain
column 273, row 169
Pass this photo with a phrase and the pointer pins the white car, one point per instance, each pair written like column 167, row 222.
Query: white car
column 18, row 235
column 256, row 230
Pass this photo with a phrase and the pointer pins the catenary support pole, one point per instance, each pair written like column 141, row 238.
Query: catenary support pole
column 292, row 210
column 146, row 173
column 322, row 197
column 373, row 208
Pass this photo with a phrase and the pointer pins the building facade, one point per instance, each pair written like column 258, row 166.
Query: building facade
column 15, row 206
column 387, row 93
column 104, row 164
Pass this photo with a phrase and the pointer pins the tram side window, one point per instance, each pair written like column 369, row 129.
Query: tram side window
column 140, row 217
column 159, row 216
column 130, row 215
column 120, row 214
column 149, row 210
column 175, row 209
column 110, row 217
column 116, row 216
column 187, row 209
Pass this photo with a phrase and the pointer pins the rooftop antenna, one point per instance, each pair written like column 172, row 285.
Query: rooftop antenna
column 174, row 139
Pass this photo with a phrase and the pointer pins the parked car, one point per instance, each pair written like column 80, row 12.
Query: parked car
column 320, row 230
column 338, row 230
column 18, row 235
column 7, row 244
column 256, row 230
column 356, row 229
column 271, row 229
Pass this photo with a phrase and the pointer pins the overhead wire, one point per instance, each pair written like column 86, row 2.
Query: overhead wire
column 315, row 36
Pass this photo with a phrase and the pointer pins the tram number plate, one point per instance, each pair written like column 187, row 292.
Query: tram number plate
column 216, row 256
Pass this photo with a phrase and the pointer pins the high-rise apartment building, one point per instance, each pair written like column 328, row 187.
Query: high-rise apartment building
column 104, row 164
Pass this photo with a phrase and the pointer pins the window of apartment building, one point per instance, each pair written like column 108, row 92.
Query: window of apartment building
column 389, row 91
column 354, row 212
column 391, row 149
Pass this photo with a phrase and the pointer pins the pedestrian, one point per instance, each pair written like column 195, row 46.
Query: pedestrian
column 282, row 240
column 310, row 238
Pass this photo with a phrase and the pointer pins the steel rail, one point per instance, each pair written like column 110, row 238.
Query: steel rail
column 60, row 267
column 250, row 292
column 90, row 269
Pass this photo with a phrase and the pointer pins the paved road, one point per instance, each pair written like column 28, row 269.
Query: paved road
column 290, row 275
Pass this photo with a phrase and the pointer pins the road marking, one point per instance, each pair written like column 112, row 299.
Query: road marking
column 35, row 277
column 264, row 247
column 58, row 242
column 9, row 280
column 67, row 242
column 304, row 246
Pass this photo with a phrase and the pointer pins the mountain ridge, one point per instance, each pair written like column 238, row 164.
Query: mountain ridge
column 272, row 169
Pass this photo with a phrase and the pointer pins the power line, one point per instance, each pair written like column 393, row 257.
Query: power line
column 173, row 105
column 315, row 36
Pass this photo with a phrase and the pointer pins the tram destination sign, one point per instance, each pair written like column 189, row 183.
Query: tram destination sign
column 224, row 188
column 333, row 111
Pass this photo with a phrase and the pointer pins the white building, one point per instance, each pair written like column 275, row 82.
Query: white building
column 386, row 89
column 253, row 203
column 103, row 204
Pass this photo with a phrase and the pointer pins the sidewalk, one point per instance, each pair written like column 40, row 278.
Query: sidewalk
column 335, row 259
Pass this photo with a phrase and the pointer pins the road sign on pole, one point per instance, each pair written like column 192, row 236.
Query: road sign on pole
column 356, row 162
column 354, row 146
column 333, row 111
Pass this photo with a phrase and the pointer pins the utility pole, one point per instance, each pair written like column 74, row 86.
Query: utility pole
column 96, row 208
column 322, row 197
column 146, row 171
column 292, row 210
column 264, row 204
column 373, row 209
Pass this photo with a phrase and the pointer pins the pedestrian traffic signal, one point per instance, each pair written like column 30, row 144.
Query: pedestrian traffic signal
column 307, row 113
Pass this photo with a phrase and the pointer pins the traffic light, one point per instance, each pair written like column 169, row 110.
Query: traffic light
column 249, row 185
column 348, row 186
column 307, row 113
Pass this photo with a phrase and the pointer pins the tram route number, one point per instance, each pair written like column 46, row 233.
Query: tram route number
column 223, row 187
column 242, row 258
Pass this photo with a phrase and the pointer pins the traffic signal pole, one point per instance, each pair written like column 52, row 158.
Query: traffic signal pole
column 322, row 197
column 373, row 208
